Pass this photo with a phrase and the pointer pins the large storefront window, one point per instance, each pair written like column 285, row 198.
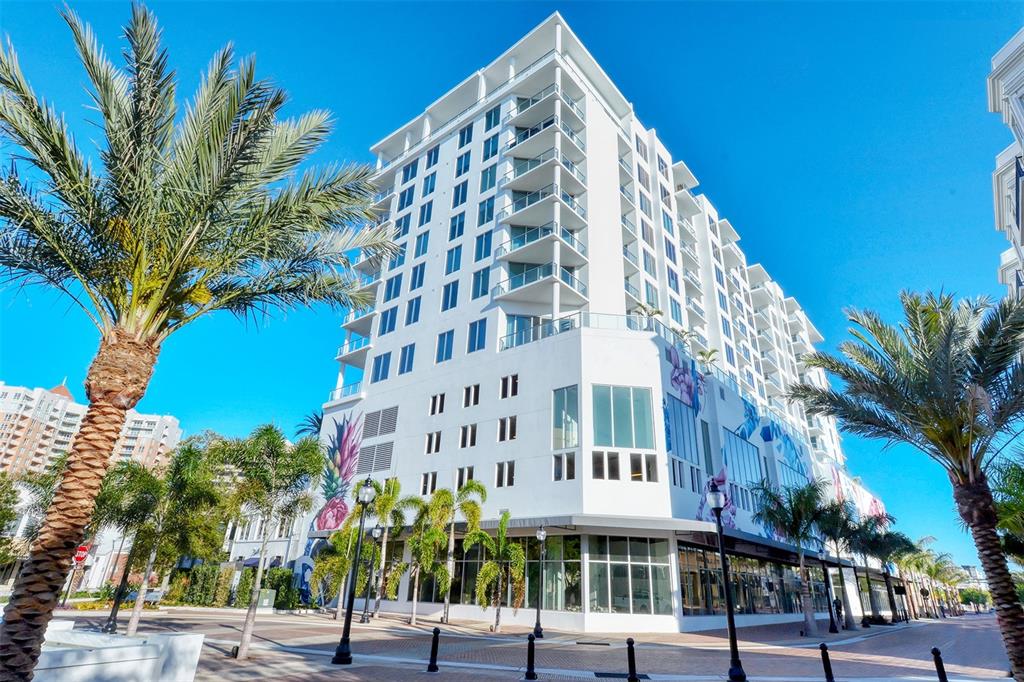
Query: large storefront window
column 629, row 575
column 759, row 586
column 623, row 417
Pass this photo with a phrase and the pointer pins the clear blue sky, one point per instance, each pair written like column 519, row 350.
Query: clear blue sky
column 850, row 145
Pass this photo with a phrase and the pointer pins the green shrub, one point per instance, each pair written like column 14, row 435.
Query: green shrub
column 202, row 585
column 243, row 593
column 176, row 591
column 222, row 595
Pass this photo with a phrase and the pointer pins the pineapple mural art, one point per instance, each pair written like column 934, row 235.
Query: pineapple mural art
column 339, row 470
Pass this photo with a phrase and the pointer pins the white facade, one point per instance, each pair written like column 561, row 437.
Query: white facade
column 1006, row 97
column 531, row 314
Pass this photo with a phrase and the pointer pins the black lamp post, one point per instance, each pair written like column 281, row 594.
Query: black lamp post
column 832, row 628
column 716, row 500
column 538, row 632
column 343, row 653
column 375, row 533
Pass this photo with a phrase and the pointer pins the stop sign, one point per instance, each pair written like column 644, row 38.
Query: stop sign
column 81, row 553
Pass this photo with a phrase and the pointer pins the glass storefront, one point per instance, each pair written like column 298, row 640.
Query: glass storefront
column 629, row 575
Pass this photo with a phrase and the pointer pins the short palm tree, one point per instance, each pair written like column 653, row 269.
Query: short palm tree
column 310, row 425
column 887, row 546
column 466, row 501
column 947, row 381
column 504, row 566
column 389, row 509
column 426, row 539
column 835, row 526
column 862, row 541
column 188, row 212
column 792, row 511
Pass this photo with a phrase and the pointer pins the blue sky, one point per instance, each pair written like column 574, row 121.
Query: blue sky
column 850, row 145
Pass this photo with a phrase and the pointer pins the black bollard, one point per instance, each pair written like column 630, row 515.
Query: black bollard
column 531, row 674
column 940, row 669
column 826, row 663
column 432, row 666
column 631, row 661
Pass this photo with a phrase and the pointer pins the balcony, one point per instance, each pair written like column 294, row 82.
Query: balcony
column 531, row 286
column 585, row 320
column 688, row 228
column 534, row 246
column 359, row 321
column 696, row 308
column 535, row 209
column 686, row 204
column 349, row 392
column 368, row 283
column 689, row 253
column 529, row 173
column 733, row 255
column 632, row 262
column 383, row 198
column 627, row 195
column 633, row 293
column 531, row 110
column 534, row 140
column 692, row 278
column 773, row 386
column 628, row 231
column 625, row 171
column 354, row 351
column 770, row 361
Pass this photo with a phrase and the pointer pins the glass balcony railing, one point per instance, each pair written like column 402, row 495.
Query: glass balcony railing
column 630, row 256
column 383, row 194
column 628, row 225
column 692, row 304
column 353, row 345
column 347, row 391
column 536, row 274
column 529, row 102
column 626, row 194
column 524, row 166
column 624, row 165
column 631, row 290
column 688, row 250
column 628, row 323
column 524, row 135
column 537, row 233
column 692, row 276
column 541, row 194
column 356, row 313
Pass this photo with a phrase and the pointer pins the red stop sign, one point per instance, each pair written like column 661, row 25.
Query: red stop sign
column 81, row 553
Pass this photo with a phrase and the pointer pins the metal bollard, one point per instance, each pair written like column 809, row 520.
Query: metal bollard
column 631, row 661
column 826, row 663
column 940, row 669
column 432, row 666
column 531, row 674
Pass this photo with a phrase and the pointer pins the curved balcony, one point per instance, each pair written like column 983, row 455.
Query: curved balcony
column 534, row 246
column 534, row 209
column 527, row 174
column 535, row 139
column 531, row 286
column 530, row 110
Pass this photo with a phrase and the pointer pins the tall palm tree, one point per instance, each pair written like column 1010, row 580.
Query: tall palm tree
column 792, row 511
column 504, row 567
column 426, row 538
column 862, row 539
column 466, row 501
column 835, row 526
column 273, row 482
column 887, row 546
column 389, row 508
column 947, row 381
column 187, row 213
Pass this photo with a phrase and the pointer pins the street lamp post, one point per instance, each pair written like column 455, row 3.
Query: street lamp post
column 538, row 632
column 716, row 500
column 832, row 628
column 375, row 533
column 343, row 653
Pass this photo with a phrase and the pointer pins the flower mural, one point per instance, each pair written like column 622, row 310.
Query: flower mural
column 792, row 453
column 685, row 378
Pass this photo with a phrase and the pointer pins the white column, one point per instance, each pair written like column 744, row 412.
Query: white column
column 558, row 77
column 426, row 127
column 558, row 38
column 511, row 68
column 408, row 141
column 481, row 86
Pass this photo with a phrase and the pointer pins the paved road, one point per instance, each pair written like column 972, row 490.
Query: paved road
column 292, row 647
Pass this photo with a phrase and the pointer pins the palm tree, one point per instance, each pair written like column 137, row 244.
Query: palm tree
column 505, row 566
column 708, row 359
column 466, row 501
column 183, row 518
column 835, row 525
column 310, row 425
column 189, row 212
column 947, row 381
column 274, row 480
column 426, row 539
column 793, row 512
column 887, row 546
column 862, row 538
column 389, row 508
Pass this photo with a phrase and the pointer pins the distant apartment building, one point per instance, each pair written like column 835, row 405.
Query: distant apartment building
column 37, row 425
column 1006, row 97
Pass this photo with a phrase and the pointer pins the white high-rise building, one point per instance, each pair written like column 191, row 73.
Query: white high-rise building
column 570, row 324
column 1006, row 97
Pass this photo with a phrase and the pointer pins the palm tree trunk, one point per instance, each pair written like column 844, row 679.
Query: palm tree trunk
column 116, row 381
column 893, row 613
column 876, row 614
column 415, row 596
column 451, row 569
column 810, row 624
column 383, row 570
column 254, row 599
column 140, row 597
column 974, row 501
column 848, row 621
column 497, row 610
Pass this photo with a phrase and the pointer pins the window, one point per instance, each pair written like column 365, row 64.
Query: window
column 428, row 483
column 645, row 204
column 409, row 171
column 445, row 342
column 432, row 155
column 490, row 147
column 477, row 336
column 456, row 226
column 675, row 310
column 392, row 288
column 492, row 118
column 422, row 241
column 450, row 295
column 643, row 178
column 744, row 463
column 506, row 429
column 623, row 417
column 726, row 328
column 416, row 276
column 641, row 148
column 662, row 167
column 719, row 277
column 462, row 164
column 467, row 436
column 437, row 404
column 673, row 280
column 651, row 294
column 565, row 418
column 564, row 466
column 509, row 386
column 398, row 260
column 723, row 302
column 730, row 355
column 426, row 211
column 406, row 197
column 465, row 136
column 381, row 365
column 666, row 222
column 459, row 194
column 605, row 465
column 453, row 260
column 405, row 360
column 481, row 282
column 402, row 225
column 643, row 467
column 647, row 232
column 433, row 443
column 670, row 251
column 471, row 395
column 463, row 476
column 488, row 176
column 649, row 267
column 630, row 575
column 504, row 474
column 387, row 321
column 485, row 212
column 428, row 184
column 482, row 248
